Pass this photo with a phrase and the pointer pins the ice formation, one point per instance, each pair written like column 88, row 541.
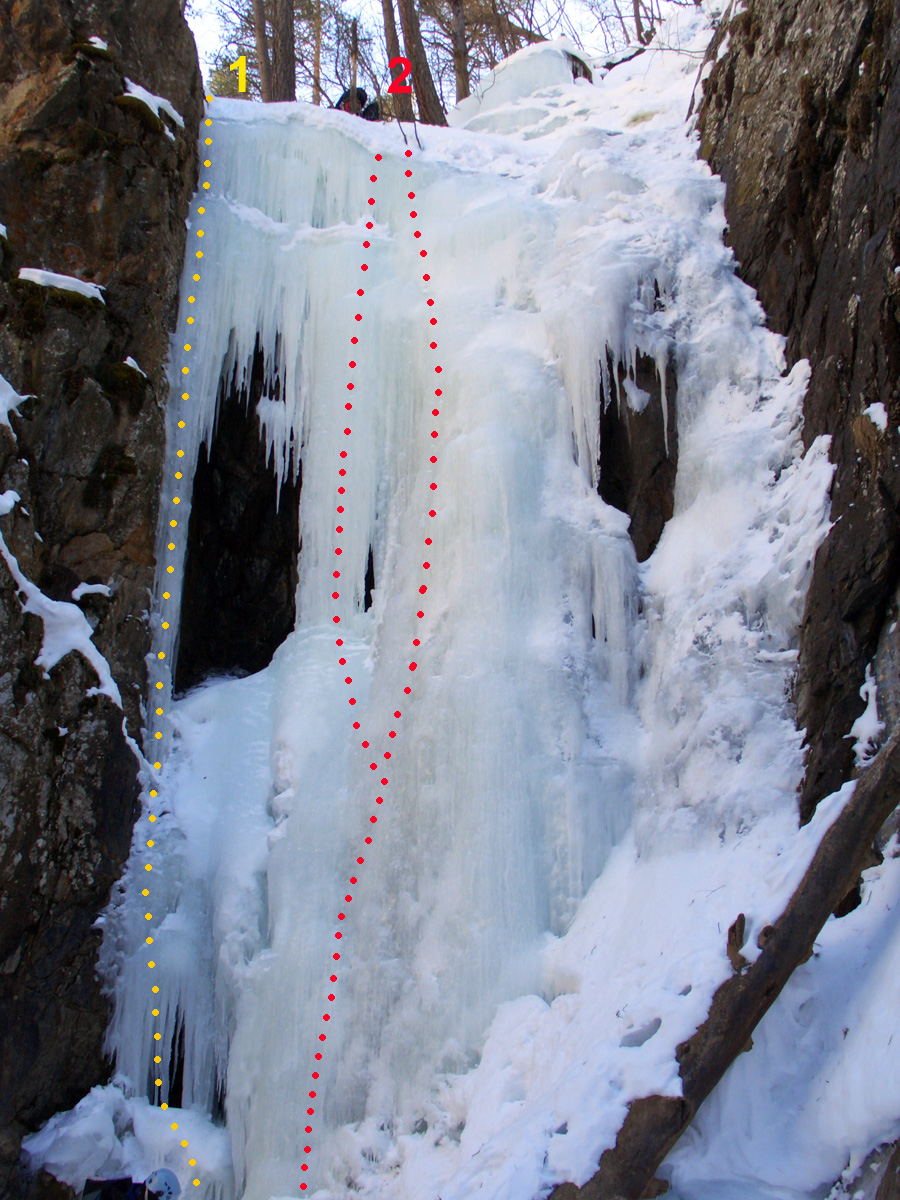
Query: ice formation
column 130, row 362
column 596, row 768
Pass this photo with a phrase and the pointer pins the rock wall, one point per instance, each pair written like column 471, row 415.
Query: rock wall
column 94, row 185
column 801, row 118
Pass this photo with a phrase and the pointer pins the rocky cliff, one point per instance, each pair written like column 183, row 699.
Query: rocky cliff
column 800, row 115
column 94, row 185
column 801, row 118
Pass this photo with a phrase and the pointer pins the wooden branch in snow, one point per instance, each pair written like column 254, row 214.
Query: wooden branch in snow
column 655, row 1123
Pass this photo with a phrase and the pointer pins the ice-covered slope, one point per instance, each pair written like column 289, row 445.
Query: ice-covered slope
column 593, row 770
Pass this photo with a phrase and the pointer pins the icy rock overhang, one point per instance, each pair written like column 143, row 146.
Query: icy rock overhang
column 545, row 65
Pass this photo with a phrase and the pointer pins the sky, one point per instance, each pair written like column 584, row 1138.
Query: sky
column 205, row 28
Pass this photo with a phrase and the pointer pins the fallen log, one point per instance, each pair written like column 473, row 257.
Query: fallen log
column 655, row 1123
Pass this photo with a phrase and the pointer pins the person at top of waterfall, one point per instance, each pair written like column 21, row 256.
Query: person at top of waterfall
column 159, row 1185
column 368, row 112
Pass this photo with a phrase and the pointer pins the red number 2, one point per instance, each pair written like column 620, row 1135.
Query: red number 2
column 396, row 85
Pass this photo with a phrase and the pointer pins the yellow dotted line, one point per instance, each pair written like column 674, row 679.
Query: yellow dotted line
column 157, row 766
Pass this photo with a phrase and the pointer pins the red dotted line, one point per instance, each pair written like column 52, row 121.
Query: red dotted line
column 335, row 595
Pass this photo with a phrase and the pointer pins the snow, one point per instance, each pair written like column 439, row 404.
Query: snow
column 573, row 822
column 156, row 104
column 130, row 362
column 109, row 1137
column 867, row 728
column 98, row 42
column 66, row 283
column 91, row 589
column 821, row 1086
column 65, row 625
column 9, row 401
column 877, row 414
column 525, row 75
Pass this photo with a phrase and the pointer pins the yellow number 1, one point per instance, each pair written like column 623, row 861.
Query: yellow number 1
column 241, row 67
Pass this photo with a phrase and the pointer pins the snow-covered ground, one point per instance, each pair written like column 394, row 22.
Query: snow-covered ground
column 574, row 818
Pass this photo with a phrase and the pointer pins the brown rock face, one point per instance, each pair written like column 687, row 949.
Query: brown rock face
column 639, row 454
column 91, row 186
column 889, row 1188
column 801, row 117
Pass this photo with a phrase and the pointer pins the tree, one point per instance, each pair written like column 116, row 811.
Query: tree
column 317, row 54
column 450, row 44
column 465, row 38
column 460, row 49
column 322, row 45
column 402, row 101
column 275, row 59
column 284, row 69
column 224, row 82
column 430, row 110
column 264, row 63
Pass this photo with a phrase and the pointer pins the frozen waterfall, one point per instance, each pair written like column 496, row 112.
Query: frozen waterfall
column 586, row 745
column 508, row 776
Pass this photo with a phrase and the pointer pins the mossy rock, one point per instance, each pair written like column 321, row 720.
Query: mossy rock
column 72, row 300
column 92, row 51
column 44, row 294
column 123, row 383
column 146, row 115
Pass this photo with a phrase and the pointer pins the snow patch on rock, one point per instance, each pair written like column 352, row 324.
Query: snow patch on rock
column 65, row 625
column 65, row 283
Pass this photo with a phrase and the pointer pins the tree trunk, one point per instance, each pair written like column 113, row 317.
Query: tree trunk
column 638, row 24
column 655, row 1123
column 460, row 49
column 262, row 49
column 403, row 108
column 354, row 66
column 430, row 111
column 284, row 74
column 317, row 56
column 503, row 32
